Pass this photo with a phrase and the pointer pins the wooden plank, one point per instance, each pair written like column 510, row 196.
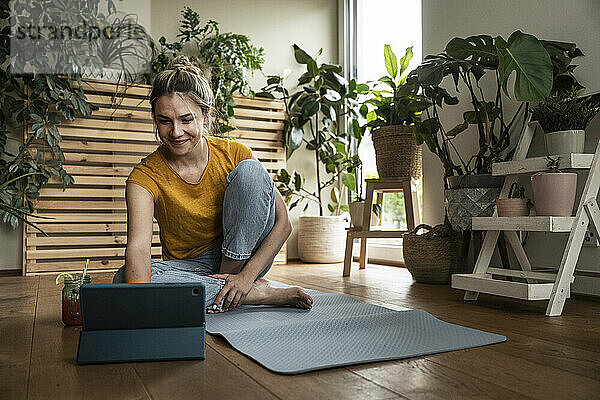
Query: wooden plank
column 534, row 223
column 256, row 124
column 105, row 124
column 97, row 170
column 376, row 234
column 537, row 164
column 64, row 217
column 92, row 180
column 240, row 133
column 259, row 103
column 80, row 205
column 262, row 144
column 54, row 373
column 95, row 158
column 35, row 240
column 17, row 316
column 81, row 192
column 85, row 145
column 75, row 266
column 521, row 274
column 206, row 379
column 83, row 253
column 251, row 113
column 122, row 113
column 82, row 228
column 106, row 134
column 108, row 100
column 128, row 89
column 484, row 283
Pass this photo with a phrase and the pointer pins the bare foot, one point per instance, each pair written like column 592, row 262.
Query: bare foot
column 264, row 293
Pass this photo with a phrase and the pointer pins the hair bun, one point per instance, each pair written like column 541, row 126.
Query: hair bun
column 180, row 62
column 183, row 63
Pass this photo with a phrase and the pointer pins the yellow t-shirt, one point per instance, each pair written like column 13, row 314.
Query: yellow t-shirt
column 189, row 214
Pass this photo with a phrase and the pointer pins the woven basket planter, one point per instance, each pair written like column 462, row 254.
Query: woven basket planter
column 433, row 256
column 396, row 152
column 322, row 239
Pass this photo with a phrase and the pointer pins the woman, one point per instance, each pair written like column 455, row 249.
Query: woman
column 221, row 221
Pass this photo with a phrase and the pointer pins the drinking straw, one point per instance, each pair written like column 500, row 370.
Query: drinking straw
column 87, row 261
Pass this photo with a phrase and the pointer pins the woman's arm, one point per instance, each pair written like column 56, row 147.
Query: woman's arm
column 140, row 210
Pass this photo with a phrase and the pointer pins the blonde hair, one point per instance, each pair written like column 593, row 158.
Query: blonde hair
column 184, row 78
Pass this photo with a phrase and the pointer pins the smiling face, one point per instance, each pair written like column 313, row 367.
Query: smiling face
column 180, row 123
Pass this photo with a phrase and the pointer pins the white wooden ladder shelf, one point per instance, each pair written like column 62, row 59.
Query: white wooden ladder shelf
column 540, row 283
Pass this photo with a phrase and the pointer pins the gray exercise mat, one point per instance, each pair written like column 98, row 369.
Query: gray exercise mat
column 338, row 331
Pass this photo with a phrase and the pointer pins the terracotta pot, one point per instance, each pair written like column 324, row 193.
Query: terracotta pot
column 512, row 207
column 554, row 193
column 563, row 142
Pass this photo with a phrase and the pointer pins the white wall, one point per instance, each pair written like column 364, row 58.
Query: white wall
column 569, row 21
column 274, row 25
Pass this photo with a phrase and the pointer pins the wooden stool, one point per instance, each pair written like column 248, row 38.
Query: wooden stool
column 383, row 185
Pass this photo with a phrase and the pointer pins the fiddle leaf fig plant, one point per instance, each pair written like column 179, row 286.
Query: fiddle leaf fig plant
column 539, row 67
column 322, row 97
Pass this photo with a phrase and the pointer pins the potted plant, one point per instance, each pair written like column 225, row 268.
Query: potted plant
column 516, row 205
column 228, row 55
column 393, row 111
column 564, row 116
column 322, row 97
column 554, row 191
column 540, row 67
column 357, row 204
column 122, row 51
column 34, row 97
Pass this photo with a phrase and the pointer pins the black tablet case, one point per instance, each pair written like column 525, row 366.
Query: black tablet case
column 126, row 322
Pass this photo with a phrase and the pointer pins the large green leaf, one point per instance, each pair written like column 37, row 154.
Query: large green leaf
column 301, row 56
column 403, row 64
column 525, row 55
column 479, row 49
column 391, row 63
column 349, row 181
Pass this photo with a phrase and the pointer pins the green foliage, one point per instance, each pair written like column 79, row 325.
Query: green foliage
column 36, row 101
column 565, row 110
column 540, row 67
column 323, row 96
column 398, row 101
column 229, row 56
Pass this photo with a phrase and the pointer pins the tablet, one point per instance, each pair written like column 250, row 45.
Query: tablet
column 126, row 322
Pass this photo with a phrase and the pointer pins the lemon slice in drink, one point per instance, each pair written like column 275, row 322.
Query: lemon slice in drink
column 60, row 278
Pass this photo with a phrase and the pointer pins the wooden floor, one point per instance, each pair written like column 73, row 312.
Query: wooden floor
column 544, row 358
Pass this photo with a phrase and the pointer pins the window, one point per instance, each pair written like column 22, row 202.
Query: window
column 371, row 24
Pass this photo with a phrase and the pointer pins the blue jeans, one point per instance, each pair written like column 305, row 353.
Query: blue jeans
column 248, row 217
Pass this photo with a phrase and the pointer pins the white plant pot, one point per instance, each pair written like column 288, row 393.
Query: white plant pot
column 563, row 142
column 322, row 239
column 356, row 213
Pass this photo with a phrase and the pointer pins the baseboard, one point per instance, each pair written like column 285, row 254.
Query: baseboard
column 11, row 272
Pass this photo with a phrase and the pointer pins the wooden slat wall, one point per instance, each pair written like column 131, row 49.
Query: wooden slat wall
column 89, row 217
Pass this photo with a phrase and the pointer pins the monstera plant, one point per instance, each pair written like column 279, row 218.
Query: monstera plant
column 539, row 67
column 473, row 63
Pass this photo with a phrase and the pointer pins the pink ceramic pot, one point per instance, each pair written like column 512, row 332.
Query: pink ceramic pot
column 512, row 207
column 554, row 193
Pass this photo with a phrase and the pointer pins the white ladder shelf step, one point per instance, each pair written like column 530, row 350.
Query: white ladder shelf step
column 535, row 223
column 537, row 164
column 484, row 283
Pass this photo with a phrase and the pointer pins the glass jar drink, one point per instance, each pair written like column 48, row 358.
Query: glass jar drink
column 71, row 306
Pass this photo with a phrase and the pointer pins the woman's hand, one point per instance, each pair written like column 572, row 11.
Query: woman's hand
column 235, row 290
